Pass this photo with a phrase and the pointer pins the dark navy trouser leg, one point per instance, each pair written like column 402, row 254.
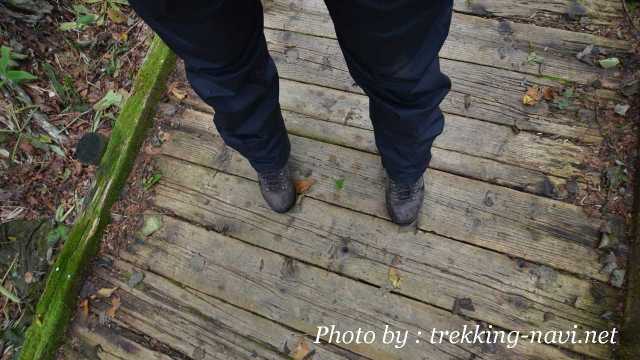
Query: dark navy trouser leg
column 391, row 49
column 228, row 65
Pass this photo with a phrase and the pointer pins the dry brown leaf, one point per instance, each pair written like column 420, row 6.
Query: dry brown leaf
column 548, row 93
column 302, row 186
column 26, row 147
column 84, row 306
column 532, row 96
column 176, row 89
column 115, row 305
column 164, row 136
column 302, row 351
column 106, row 292
column 152, row 150
column 28, row 277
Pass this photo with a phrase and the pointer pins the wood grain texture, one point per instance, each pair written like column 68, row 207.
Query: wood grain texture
column 481, row 92
column 454, row 162
column 505, row 292
column 502, row 44
column 596, row 11
column 198, row 325
column 303, row 296
column 538, row 229
column 101, row 342
column 479, row 142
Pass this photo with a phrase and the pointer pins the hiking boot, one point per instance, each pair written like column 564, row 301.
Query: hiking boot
column 404, row 201
column 277, row 189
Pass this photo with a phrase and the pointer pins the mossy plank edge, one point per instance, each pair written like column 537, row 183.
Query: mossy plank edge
column 630, row 333
column 58, row 301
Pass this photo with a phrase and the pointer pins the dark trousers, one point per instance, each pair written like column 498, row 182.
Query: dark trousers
column 391, row 48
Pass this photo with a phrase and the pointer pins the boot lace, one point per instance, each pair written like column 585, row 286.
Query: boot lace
column 274, row 180
column 404, row 192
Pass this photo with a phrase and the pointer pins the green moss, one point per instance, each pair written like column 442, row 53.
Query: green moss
column 58, row 301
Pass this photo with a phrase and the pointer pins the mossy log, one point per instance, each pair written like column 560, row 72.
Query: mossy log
column 58, row 301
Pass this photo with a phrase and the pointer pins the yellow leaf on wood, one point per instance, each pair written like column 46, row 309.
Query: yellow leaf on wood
column 106, row 292
column 532, row 96
column 394, row 273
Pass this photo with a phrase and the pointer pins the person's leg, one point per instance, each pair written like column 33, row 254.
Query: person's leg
column 228, row 65
column 391, row 48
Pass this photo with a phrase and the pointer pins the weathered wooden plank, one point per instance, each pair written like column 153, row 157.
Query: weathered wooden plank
column 195, row 323
column 454, row 162
column 473, row 39
column 480, row 92
column 523, row 225
column 505, row 292
column 304, row 297
column 597, row 11
column 478, row 139
column 106, row 344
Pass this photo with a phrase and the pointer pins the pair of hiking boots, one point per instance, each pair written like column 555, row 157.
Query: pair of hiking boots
column 404, row 201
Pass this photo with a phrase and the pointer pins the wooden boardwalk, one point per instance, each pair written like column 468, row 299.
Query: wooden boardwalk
column 500, row 242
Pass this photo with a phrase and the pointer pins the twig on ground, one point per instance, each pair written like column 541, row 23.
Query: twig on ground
column 40, row 118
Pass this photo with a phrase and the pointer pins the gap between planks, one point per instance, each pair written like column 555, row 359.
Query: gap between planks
column 302, row 296
column 501, row 44
column 520, row 224
column 510, row 293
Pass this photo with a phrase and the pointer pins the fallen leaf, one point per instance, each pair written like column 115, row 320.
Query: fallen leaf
column 585, row 53
column 617, row 278
column 532, row 96
column 176, row 89
column 135, row 279
column 116, row 15
column 121, row 37
column 152, row 150
column 115, row 305
column 26, row 147
column 106, row 292
column 302, row 351
column 394, row 274
column 164, row 136
column 534, row 58
column 621, row 109
column 302, row 186
column 151, row 225
column 84, row 307
column 28, row 277
column 548, row 93
column 467, row 102
column 609, row 63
